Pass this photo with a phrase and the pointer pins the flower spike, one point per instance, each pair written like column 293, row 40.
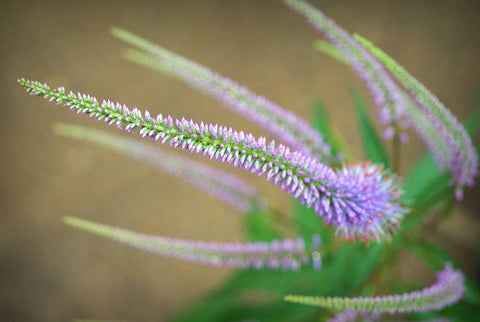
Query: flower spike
column 385, row 93
column 291, row 129
column 460, row 157
column 361, row 200
column 220, row 184
column 284, row 254
column 447, row 290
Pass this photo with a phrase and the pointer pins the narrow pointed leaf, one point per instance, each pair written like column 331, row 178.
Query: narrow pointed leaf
column 373, row 148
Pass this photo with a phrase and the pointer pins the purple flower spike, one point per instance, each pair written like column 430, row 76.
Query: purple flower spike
column 385, row 93
column 447, row 290
column 284, row 254
column 361, row 200
column 291, row 129
column 220, row 184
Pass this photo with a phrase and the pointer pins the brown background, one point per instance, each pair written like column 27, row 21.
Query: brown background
column 51, row 272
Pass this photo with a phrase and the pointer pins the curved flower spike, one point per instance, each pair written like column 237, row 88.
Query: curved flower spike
column 460, row 157
column 361, row 200
column 220, row 184
column 284, row 254
column 447, row 290
column 385, row 93
column 291, row 129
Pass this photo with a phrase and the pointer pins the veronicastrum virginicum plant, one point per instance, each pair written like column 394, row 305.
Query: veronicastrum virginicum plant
column 361, row 201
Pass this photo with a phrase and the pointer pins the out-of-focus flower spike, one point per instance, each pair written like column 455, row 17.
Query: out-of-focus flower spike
column 291, row 129
column 461, row 157
column 384, row 91
column 364, row 190
column 447, row 290
column 220, row 184
column 284, row 254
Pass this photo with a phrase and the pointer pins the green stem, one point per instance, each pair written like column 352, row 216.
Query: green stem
column 396, row 151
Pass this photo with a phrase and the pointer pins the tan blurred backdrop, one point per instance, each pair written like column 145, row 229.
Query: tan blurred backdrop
column 50, row 272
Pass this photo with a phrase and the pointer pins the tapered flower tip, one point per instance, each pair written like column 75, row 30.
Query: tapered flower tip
column 365, row 202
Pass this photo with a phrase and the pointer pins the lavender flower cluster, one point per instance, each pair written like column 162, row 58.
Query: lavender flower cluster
column 361, row 200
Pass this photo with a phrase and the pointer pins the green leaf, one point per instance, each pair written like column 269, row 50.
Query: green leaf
column 421, row 178
column 373, row 148
column 321, row 122
column 366, row 261
column 472, row 123
column 309, row 224
column 260, row 227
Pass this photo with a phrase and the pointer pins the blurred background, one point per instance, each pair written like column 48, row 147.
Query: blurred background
column 49, row 271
